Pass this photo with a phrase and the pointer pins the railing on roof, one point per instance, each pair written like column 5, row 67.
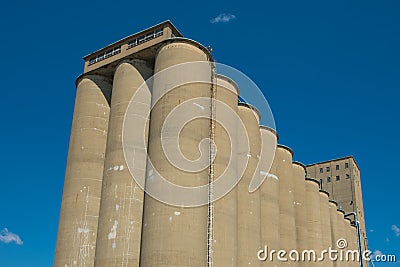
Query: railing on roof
column 107, row 54
column 145, row 38
column 132, row 43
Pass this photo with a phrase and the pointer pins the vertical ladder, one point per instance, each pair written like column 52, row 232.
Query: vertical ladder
column 210, row 217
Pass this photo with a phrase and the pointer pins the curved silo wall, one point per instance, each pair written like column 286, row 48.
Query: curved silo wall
column 269, row 193
column 313, row 218
column 299, row 175
column 77, row 230
column 351, row 238
column 341, row 226
column 120, row 220
column 334, row 227
column 224, row 221
column 171, row 235
column 287, row 231
column 249, row 238
column 325, row 226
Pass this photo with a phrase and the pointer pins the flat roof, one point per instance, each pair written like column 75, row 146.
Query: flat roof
column 123, row 40
column 333, row 160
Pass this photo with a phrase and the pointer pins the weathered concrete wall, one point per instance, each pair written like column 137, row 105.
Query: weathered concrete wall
column 120, row 221
column 287, row 230
column 175, row 236
column 300, row 208
column 313, row 217
column 225, row 223
column 77, row 230
column 325, row 226
column 249, row 223
column 269, row 194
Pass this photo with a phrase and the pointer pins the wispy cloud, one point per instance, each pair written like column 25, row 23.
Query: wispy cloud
column 376, row 253
column 223, row 17
column 387, row 239
column 8, row 237
column 396, row 230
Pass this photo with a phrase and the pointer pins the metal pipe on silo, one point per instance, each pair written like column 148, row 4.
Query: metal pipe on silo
column 313, row 218
column 176, row 236
column 334, row 227
column 269, row 193
column 120, row 220
column 287, row 230
column 341, row 235
column 325, row 226
column 225, row 208
column 299, row 174
column 249, row 228
column 78, row 222
column 356, row 224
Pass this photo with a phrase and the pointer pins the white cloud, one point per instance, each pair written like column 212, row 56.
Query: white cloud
column 223, row 17
column 387, row 239
column 7, row 237
column 396, row 230
column 376, row 253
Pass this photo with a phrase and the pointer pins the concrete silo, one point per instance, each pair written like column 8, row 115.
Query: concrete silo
column 224, row 221
column 313, row 218
column 120, row 221
column 287, row 230
column 176, row 236
column 269, row 193
column 341, row 226
column 325, row 226
column 334, row 227
column 186, row 130
column 79, row 213
column 351, row 256
column 249, row 238
column 354, row 244
column 299, row 175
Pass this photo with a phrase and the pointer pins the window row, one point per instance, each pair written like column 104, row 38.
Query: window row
column 337, row 178
column 107, row 54
column 337, row 167
column 137, row 41
column 145, row 37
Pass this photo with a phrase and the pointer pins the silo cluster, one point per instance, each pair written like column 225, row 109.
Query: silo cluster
column 107, row 219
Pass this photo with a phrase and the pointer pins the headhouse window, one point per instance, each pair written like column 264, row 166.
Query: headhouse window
column 106, row 54
column 145, row 37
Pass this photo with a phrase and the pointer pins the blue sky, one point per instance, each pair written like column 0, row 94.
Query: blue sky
column 329, row 69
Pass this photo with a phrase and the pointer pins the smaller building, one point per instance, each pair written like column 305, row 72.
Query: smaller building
column 341, row 179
